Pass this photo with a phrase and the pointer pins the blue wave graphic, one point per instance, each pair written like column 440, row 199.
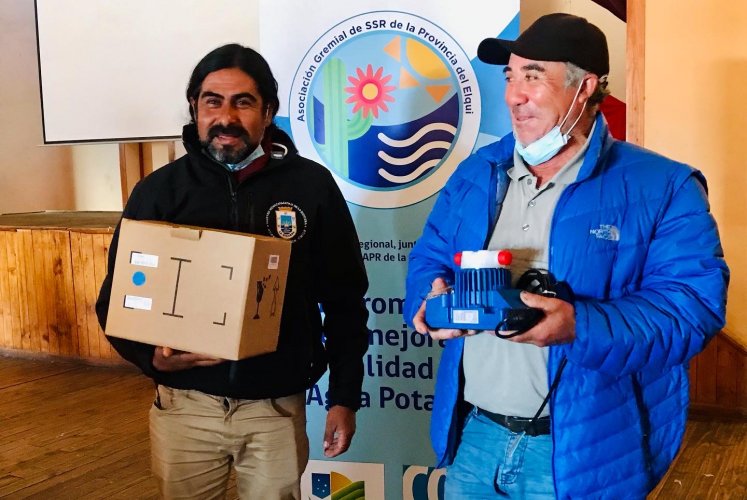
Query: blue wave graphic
column 365, row 161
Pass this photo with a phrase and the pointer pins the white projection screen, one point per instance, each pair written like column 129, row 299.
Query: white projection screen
column 117, row 70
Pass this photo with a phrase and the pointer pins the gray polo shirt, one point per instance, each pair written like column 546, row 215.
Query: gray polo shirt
column 502, row 376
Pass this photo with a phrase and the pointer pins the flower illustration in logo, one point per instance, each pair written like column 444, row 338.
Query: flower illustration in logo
column 370, row 91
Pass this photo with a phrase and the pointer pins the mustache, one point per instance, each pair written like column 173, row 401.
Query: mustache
column 232, row 130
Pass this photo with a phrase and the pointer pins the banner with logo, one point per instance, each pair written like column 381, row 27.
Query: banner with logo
column 390, row 97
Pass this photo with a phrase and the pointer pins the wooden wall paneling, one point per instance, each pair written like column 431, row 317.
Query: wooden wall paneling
column 6, row 321
column 726, row 369
column 718, row 380
column 92, row 286
column 30, row 338
column 5, row 306
column 147, row 158
column 14, row 289
column 61, row 327
column 172, row 151
column 742, row 386
column 58, row 288
column 693, row 376
column 50, row 276
column 635, row 82
column 67, row 293
column 89, row 279
column 101, row 244
column 706, row 382
column 94, row 278
column 42, row 243
column 81, row 296
column 130, row 167
column 42, row 294
column 57, row 327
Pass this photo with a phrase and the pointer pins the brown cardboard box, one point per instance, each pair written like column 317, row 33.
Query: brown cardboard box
column 199, row 290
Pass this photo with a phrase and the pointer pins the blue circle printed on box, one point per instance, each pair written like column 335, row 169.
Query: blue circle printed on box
column 138, row 278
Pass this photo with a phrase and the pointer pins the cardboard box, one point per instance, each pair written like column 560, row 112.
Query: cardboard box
column 218, row 293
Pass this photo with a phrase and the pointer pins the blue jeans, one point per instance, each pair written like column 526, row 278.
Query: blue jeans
column 493, row 462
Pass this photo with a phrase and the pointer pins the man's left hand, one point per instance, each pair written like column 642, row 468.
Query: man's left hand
column 558, row 326
column 339, row 430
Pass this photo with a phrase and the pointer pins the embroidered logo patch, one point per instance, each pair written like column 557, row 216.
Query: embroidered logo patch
column 286, row 220
column 606, row 232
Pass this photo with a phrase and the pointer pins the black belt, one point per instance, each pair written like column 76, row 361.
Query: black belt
column 531, row 427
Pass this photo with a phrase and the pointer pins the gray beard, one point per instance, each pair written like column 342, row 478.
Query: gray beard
column 227, row 155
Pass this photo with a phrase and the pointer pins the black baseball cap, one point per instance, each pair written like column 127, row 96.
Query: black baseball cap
column 554, row 37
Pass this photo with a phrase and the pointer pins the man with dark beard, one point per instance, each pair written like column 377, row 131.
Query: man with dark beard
column 242, row 173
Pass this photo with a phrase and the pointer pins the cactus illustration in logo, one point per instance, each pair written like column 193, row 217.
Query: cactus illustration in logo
column 336, row 130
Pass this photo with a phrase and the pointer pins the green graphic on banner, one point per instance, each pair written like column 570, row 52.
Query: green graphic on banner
column 338, row 127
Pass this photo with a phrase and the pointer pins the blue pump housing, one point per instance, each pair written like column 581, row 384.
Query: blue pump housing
column 481, row 299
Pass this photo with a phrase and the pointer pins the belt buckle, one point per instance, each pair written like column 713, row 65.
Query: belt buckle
column 515, row 425
column 518, row 425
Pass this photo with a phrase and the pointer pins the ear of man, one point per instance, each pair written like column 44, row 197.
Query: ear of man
column 193, row 109
column 590, row 84
column 269, row 112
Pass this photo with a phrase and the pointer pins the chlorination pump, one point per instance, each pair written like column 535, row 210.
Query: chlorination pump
column 482, row 297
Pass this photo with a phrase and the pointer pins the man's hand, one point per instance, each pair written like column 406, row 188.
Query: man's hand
column 558, row 326
column 166, row 359
column 339, row 430
column 438, row 286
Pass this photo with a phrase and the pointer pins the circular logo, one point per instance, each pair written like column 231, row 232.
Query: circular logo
column 389, row 102
column 286, row 220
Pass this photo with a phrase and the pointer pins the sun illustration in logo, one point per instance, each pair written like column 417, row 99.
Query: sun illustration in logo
column 370, row 91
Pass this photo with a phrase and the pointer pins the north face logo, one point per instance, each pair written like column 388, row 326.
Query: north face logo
column 606, row 232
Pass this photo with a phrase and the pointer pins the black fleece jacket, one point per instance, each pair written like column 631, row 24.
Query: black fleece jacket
column 326, row 269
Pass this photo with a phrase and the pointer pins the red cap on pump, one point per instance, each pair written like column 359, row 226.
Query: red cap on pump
column 505, row 258
column 458, row 259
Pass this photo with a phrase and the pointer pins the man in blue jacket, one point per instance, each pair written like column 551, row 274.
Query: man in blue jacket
column 592, row 400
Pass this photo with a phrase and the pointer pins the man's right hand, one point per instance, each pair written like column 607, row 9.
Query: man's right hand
column 166, row 359
column 438, row 286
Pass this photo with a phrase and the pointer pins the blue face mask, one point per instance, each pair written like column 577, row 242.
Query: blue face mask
column 548, row 145
column 234, row 167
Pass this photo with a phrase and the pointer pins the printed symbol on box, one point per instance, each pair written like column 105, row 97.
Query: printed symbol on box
column 261, row 285
column 230, row 277
column 135, row 302
column 138, row 278
column 274, row 303
column 273, row 262
column 143, row 259
column 176, row 287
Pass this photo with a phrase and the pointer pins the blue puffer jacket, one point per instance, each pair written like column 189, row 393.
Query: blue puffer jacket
column 634, row 238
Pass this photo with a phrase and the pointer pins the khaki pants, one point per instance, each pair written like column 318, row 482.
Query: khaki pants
column 195, row 438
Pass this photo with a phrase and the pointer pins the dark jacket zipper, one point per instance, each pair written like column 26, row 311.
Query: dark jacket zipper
column 234, row 204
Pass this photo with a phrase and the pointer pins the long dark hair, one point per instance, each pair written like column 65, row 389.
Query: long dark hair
column 236, row 56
